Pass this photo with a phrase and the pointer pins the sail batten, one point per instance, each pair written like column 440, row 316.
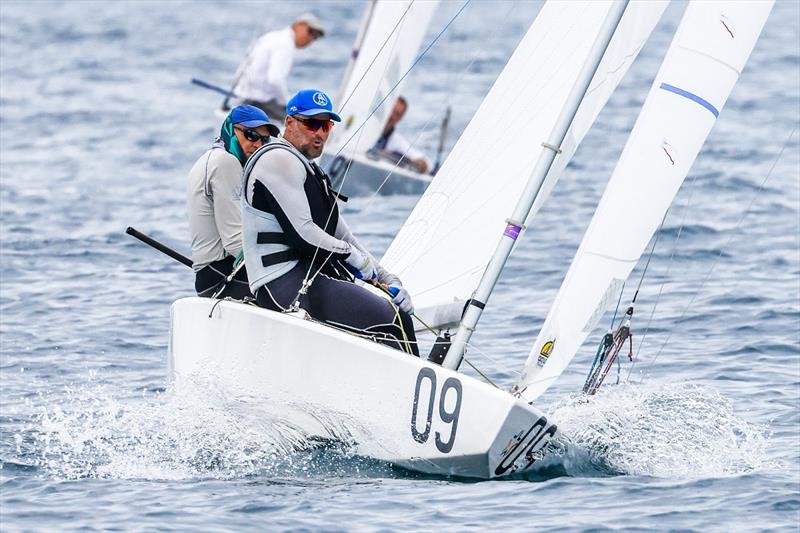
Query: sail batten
column 691, row 87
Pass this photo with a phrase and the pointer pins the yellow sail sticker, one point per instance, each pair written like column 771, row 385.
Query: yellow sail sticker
column 544, row 353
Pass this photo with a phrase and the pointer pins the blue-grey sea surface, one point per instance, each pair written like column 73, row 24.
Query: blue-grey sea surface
column 98, row 128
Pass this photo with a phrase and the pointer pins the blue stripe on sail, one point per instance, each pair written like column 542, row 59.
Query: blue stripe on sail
column 690, row 96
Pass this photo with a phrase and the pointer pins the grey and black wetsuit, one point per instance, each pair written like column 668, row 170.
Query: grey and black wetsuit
column 291, row 225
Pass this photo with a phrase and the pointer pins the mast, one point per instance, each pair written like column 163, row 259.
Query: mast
column 362, row 31
column 550, row 148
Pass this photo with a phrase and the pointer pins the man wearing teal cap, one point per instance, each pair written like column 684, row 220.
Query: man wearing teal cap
column 298, row 248
column 215, row 215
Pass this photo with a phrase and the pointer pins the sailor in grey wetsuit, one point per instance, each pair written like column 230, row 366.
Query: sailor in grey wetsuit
column 214, row 205
column 292, row 232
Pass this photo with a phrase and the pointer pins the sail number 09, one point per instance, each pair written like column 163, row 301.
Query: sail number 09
column 448, row 417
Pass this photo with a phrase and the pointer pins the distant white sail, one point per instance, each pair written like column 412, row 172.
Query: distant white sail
column 710, row 48
column 386, row 46
column 445, row 244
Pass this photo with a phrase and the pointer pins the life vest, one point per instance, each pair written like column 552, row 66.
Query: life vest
column 267, row 252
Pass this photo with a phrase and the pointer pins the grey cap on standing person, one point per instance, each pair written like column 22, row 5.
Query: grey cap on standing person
column 313, row 22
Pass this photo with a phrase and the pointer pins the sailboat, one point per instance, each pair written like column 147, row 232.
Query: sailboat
column 386, row 46
column 435, row 419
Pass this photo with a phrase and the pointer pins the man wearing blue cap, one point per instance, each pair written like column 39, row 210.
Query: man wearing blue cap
column 298, row 248
column 214, row 190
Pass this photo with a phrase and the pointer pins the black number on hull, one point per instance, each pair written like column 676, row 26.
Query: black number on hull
column 431, row 375
column 448, row 417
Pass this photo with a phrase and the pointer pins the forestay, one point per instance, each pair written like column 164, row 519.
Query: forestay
column 386, row 46
column 704, row 61
column 445, row 244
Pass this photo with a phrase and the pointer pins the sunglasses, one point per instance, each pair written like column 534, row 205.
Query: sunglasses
column 313, row 124
column 253, row 135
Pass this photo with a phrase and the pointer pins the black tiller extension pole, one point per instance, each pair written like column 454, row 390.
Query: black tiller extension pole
column 158, row 246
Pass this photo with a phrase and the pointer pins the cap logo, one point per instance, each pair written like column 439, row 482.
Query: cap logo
column 320, row 99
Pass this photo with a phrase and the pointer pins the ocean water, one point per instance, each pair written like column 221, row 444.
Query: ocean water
column 98, row 128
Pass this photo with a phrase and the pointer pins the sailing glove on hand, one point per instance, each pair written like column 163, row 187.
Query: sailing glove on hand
column 362, row 264
column 394, row 287
column 401, row 298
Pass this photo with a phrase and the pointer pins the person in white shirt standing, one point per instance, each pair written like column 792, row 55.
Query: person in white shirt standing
column 261, row 77
column 395, row 147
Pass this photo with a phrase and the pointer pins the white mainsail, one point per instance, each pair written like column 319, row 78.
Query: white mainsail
column 444, row 246
column 707, row 54
column 386, row 46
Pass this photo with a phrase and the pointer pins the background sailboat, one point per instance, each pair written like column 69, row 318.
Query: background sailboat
column 386, row 46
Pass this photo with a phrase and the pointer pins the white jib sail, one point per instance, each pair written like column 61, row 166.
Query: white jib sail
column 444, row 246
column 704, row 61
column 385, row 49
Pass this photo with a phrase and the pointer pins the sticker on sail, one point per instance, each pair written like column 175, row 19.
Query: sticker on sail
column 544, row 353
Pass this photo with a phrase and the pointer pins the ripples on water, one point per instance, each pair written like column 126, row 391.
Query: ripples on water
column 98, row 126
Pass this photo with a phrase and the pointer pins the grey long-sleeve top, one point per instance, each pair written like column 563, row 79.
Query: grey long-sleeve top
column 215, row 213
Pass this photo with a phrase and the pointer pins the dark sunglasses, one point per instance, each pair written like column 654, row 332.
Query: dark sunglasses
column 316, row 34
column 253, row 135
column 313, row 124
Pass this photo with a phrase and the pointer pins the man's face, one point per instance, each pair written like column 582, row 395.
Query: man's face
column 246, row 135
column 308, row 134
column 304, row 35
column 397, row 113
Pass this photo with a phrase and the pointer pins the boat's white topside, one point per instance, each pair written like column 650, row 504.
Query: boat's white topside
column 368, row 175
column 396, row 407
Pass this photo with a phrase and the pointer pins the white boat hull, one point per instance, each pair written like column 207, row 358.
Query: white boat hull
column 395, row 407
column 367, row 175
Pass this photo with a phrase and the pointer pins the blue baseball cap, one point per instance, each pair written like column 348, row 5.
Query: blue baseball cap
column 311, row 102
column 252, row 117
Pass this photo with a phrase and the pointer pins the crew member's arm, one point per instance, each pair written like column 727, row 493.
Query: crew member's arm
column 399, row 144
column 225, row 179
